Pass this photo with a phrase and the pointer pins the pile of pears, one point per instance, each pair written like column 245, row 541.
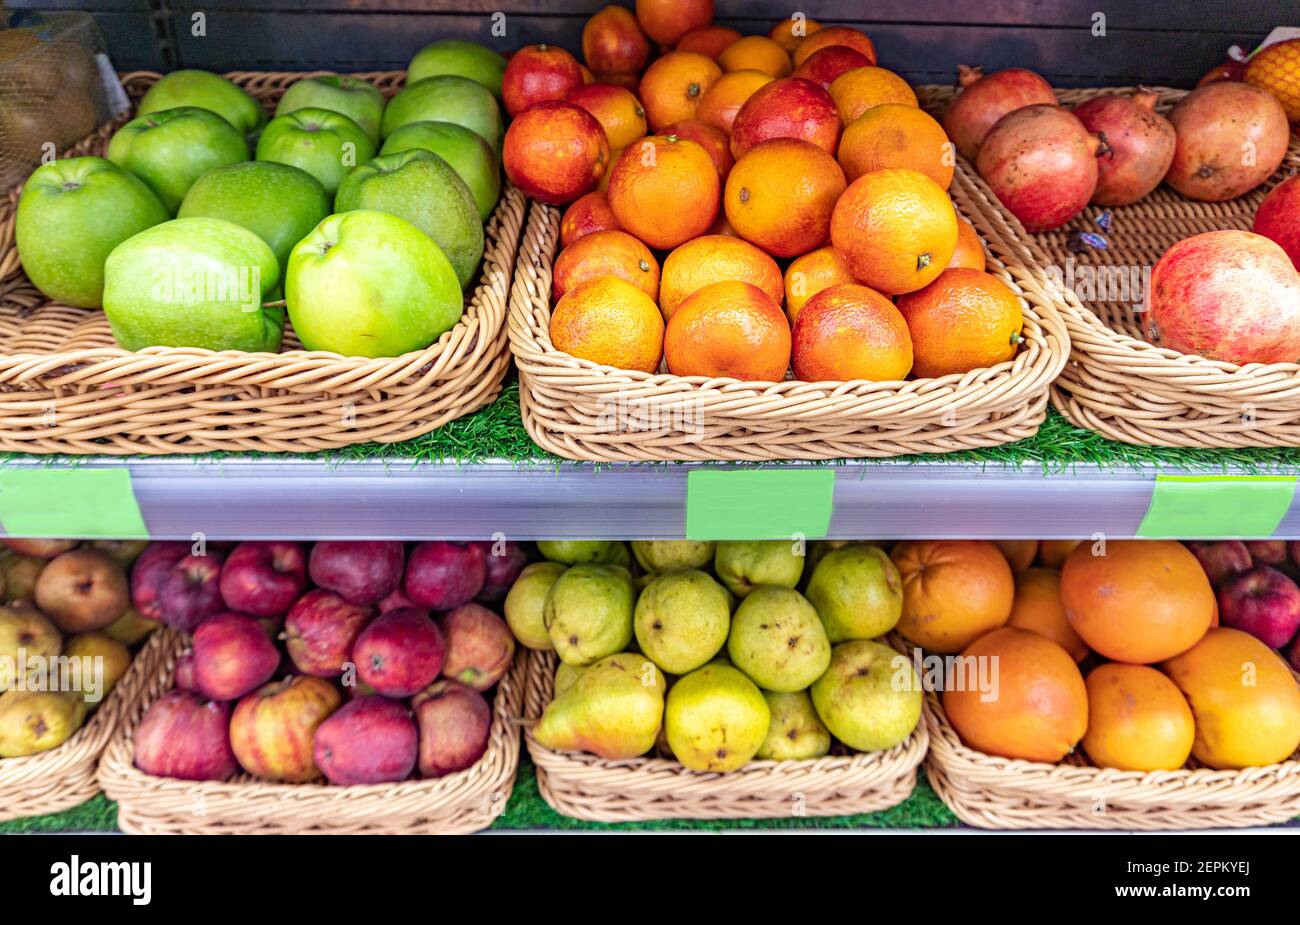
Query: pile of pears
column 717, row 654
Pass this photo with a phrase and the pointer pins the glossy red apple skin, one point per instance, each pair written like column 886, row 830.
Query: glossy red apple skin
column 1220, row 559
column 263, row 579
column 501, row 571
column 150, row 567
column 232, row 656
column 480, row 646
column 400, row 653
column 395, row 601
column 455, row 723
column 360, row 571
column 369, row 740
column 320, row 631
column 190, row 592
column 441, row 574
column 272, row 728
column 183, row 674
column 1269, row 552
column 185, row 736
column 1263, row 602
column 787, row 108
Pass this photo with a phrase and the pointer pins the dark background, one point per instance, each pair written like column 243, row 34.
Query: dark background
column 1171, row 42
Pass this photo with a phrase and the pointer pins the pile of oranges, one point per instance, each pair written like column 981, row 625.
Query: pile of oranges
column 747, row 206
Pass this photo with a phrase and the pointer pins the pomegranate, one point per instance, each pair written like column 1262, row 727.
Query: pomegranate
column 1227, row 295
column 984, row 100
column 1230, row 138
column 1138, row 145
column 1042, row 163
column 1278, row 218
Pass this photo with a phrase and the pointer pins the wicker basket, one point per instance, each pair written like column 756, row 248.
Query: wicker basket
column 64, row 777
column 66, row 387
column 1119, row 384
column 459, row 803
column 585, row 411
column 586, row 787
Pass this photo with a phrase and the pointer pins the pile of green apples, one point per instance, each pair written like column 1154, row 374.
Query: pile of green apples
column 716, row 654
column 204, row 223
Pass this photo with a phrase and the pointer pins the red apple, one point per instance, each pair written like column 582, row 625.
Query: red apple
column 1278, row 218
column 183, row 675
column 1269, row 552
column 396, row 600
column 232, row 656
column 272, row 729
column 501, row 570
column 537, row 73
column 362, row 572
column 788, row 108
column 399, row 653
column 38, row 548
column 441, row 575
column 190, row 592
column 321, row 629
column 480, row 646
column 147, row 574
column 263, row 579
column 370, row 740
column 185, row 736
column 1220, row 560
column 455, row 722
column 1262, row 602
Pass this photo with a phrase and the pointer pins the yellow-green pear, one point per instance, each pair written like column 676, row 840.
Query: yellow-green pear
column 565, row 676
column 716, row 718
column 870, row 696
column 743, row 565
column 36, row 721
column 25, row 634
column 681, row 620
column 612, row 709
column 131, row 628
column 857, row 592
column 588, row 613
column 818, row 549
column 666, row 555
column 574, row 552
column 618, row 554
column 109, row 660
column 777, row 639
column 796, row 732
column 21, row 573
column 525, row 604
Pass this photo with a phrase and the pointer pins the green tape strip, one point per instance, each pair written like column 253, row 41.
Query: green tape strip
column 82, row 503
column 1217, row 506
column 759, row 504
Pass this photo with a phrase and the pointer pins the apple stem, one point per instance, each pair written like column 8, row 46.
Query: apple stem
column 277, row 304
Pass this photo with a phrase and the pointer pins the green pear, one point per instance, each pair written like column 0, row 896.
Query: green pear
column 25, row 634
column 777, row 639
column 36, row 721
column 857, row 592
column 613, row 709
column 666, row 555
column 575, row 552
column 588, row 613
column 818, row 549
column 743, row 565
column 525, row 604
column 21, row 573
column 681, row 620
column 131, row 628
column 796, row 732
column 565, row 676
column 870, row 696
column 109, row 659
column 716, row 719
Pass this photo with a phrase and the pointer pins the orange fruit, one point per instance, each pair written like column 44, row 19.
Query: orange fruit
column 721, row 102
column 862, row 88
column 970, row 249
column 896, row 136
column 728, row 329
column 1053, row 553
column 587, row 76
column 1020, row 553
column 896, row 229
column 603, row 185
column 850, row 332
column 712, row 259
column 1037, row 607
column 954, row 591
column 964, row 320
column 611, row 322
column 788, row 33
column 1138, row 720
column 665, row 191
column 810, row 274
column 555, row 152
column 1143, row 601
column 625, row 80
column 834, row 35
column 756, row 53
column 722, row 226
column 606, row 253
column 587, row 214
column 1040, row 709
column 666, row 21
column 1277, row 70
column 672, row 87
column 709, row 137
column 708, row 40
column 613, row 43
column 780, row 196
column 617, row 110
column 787, row 108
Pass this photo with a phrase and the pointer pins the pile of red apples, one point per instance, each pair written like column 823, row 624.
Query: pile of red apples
column 1255, row 582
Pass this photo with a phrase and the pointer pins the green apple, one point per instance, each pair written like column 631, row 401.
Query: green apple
column 462, row 58
column 467, row 153
column 423, row 189
column 207, row 91
column 279, row 203
column 355, row 98
column 326, row 144
column 370, row 284
column 193, row 282
column 71, row 215
column 446, row 98
column 171, row 149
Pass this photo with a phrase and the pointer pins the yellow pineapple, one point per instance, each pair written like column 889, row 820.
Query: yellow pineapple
column 1277, row 70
